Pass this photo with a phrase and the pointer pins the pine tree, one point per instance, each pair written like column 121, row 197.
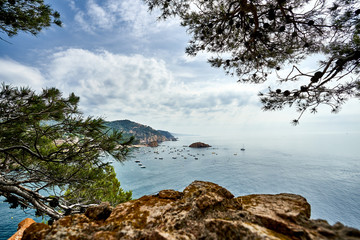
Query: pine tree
column 53, row 159
column 27, row 16
column 253, row 38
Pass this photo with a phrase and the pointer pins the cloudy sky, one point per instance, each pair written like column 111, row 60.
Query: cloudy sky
column 126, row 65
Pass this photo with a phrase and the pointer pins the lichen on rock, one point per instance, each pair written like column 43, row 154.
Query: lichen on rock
column 203, row 210
column 99, row 212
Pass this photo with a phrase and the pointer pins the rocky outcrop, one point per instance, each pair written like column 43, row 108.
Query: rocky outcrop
column 199, row 145
column 168, row 135
column 148, row 138
column 24, row 224
column 203, row 210
column 153, row 144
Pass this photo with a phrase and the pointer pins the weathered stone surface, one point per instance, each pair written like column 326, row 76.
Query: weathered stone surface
column 199, row 145
column 170, row 194
column 36, row 231
column 99, row 212
column 153, row 144
column 24, row 224
column 203, row 210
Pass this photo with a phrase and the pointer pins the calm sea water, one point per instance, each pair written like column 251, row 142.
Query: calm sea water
column 325, row 169
column 10, row 219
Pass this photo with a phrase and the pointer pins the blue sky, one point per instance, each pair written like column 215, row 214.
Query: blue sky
column 126, row 65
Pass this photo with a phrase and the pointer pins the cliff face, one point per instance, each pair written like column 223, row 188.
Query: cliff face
column 143, row 134
column 203, row 210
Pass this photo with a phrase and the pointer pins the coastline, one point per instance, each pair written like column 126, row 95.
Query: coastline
column 138, row 146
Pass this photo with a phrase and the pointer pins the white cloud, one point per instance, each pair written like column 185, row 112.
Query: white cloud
column 142, row 89
column 116, row 86
column 72, row 4
column 136, row 14
column 17, row 74
column 95, row 17
column 100, row 16
column 130, row 16
column 80, row 19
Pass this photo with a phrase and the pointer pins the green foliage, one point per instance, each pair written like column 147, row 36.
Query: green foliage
column 101, row 186
column 26, row 15
column 139, row 131
column 47, row 148
column 252, row 39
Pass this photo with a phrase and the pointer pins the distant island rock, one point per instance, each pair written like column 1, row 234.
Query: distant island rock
column 143, row 134
column 203, row 210
column 199, row 145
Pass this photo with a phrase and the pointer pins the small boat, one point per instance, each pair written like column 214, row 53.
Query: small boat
column 243, row 148
column 196, row 158
column 143, row 167
column 137, row 161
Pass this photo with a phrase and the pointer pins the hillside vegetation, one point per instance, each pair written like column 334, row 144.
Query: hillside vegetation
column 143, row 134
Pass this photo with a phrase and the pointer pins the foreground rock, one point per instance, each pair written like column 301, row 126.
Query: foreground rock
column 24, row 224
column 203, row 210
column 199, row 145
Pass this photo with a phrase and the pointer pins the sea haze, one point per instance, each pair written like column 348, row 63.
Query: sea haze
column 324, row 168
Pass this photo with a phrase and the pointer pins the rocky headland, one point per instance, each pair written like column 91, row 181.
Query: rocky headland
column 143, row 134
column 203, row 210
column 199, row 145
column 153, row 144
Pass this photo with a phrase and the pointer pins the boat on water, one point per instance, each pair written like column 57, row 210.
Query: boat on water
column 243, row 148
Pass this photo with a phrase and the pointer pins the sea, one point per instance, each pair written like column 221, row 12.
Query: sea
column 323, row 168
